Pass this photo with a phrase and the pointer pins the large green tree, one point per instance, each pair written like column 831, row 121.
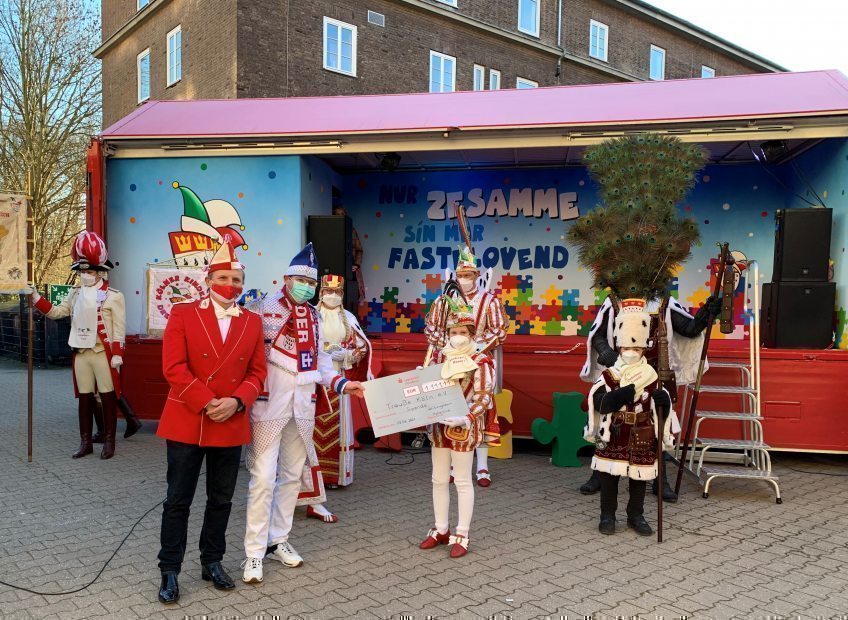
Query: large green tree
column 49, row 107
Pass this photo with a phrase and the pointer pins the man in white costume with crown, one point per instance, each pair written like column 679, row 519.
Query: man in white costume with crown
column 348, row 346
column 491, row 324
column 282, row 452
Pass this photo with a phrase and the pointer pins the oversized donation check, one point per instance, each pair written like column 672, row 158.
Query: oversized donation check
column 412, row 399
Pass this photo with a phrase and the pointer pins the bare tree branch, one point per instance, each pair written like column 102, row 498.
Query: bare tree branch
column 49, row 106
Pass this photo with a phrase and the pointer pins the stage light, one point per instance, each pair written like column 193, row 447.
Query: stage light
column 389, row 161
column 772, row 150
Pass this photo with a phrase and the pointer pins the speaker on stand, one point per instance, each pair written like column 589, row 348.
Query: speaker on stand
column 798, row 304
column 332, row 240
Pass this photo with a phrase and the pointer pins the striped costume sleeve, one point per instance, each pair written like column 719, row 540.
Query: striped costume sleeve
column 432, row 329
column 481, row 397
column 497, row 324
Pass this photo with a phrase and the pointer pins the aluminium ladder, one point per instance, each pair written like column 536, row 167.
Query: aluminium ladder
column 749, row 454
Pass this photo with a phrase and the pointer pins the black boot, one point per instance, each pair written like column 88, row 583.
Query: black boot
column 668, row 493
column 609, row 502
column 85, row 413
column 98, row 421
column 636, row 508
column 169, row 590
column 110, row 422
column 592, row 485
column 215, row 573
column 133, row 423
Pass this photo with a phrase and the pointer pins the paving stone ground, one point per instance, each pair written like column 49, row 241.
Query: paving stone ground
column 536, row 552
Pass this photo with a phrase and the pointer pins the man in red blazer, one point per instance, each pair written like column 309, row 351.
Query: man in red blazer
column 213, row 357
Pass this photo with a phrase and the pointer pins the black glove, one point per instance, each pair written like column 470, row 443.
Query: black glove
column 713, row 305
column 608, row 358
column 662, row 400
column 618, row 398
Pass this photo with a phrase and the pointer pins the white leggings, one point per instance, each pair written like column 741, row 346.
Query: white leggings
column 462, row 463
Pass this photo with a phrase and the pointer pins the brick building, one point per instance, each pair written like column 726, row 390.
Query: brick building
column 207, row 49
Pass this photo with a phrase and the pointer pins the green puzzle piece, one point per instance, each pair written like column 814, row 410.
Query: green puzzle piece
column 565, row 432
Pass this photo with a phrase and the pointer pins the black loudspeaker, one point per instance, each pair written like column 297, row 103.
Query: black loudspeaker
column 332, row 240
column 798, row 315
column 802, row 244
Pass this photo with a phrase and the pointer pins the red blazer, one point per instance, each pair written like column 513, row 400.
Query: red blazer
column 199, row 367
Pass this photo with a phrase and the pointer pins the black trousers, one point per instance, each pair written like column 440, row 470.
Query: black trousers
column 184, row 463
column 609, row 496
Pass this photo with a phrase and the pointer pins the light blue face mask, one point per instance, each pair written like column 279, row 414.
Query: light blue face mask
column 301, row 292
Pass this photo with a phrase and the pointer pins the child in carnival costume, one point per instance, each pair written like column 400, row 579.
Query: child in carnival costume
column 627, row 407
column 490, row 327
column 455, row 439
column 634, row 245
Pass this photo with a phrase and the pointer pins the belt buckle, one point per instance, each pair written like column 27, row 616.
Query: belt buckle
column 630, row 417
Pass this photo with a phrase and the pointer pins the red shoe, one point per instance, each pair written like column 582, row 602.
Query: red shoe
column 434, row 539
column 483, row 478
column 330, row 518
column 459, row 546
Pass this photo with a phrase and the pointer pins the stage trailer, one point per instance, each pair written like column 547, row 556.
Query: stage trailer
column 174, row 178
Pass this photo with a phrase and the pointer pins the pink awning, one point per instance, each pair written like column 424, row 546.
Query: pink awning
column 733, row 97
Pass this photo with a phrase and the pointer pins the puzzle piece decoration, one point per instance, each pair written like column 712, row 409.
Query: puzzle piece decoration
column 552, row 295
column 390, row 294
column 565, row 432
column 503, row 406
column 570, row 297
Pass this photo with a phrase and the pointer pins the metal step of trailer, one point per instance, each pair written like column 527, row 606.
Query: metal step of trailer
column 725, row 471
column 728, row 415
column 730, row 365
column 727, row 389
column 731, row 444
column 710, row 472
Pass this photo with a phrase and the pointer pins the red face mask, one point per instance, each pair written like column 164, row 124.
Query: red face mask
column 227, row 292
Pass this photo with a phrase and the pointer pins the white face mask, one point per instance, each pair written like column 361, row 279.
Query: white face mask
column 630, row 357
column 88, row 279
column 459, row 342
column 332, row 300
column 467, row 284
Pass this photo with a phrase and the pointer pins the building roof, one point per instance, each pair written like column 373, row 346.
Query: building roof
column 760, row 96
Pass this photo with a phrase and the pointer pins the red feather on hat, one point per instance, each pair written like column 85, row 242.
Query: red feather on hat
column 89, row 247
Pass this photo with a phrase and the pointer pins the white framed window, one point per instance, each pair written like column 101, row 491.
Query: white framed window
column 707, row 72
column 448, row 2
column 339, row 47
column 479, row 77
column 657, row 63
column 494, row 79
column 598, row 35
column 528, row 16
column 175, row 55
column 142, row 65
column 442, row 73
column 140, row 4
column 525, row 83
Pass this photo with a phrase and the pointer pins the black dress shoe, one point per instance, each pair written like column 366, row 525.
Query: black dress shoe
column 592, row 485
column 169, row 591
column 607, row 525
column 639, row 525
column 215, row 573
